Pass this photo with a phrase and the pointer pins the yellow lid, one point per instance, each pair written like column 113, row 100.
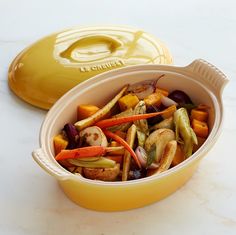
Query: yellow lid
column 43, row 72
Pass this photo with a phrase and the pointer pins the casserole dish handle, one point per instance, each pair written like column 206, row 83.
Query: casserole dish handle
column 208, row 73
column 40, row 157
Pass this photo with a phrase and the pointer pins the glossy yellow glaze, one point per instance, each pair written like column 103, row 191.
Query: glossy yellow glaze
column 114, row 198
column 43, row 72
column 206, row 84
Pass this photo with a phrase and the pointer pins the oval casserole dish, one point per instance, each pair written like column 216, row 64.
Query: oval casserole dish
column 201, row 80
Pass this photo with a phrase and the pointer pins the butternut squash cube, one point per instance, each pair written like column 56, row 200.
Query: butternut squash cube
column 86, row 110
column 153, row 99
column 60, row 143
column 128, row 101
column 179, row 156
column 162, row 91
column 200, row 115
column 200, row 128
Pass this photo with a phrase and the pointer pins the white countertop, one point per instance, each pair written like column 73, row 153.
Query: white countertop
column 31, row 201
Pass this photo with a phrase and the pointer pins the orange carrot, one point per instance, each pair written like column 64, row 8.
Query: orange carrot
column 119, row 120
column 85, row 152
column 169, row 112
column 123, row 143
column 121, row 134
column 91, row 151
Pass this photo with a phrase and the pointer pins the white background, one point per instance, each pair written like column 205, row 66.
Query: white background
column 31, row 202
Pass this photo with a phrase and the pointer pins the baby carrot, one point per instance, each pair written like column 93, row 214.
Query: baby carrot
column 124, row 143
column 85, row 152
column 119, row 120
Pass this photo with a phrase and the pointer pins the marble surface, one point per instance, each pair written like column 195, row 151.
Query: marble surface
column 31, row 201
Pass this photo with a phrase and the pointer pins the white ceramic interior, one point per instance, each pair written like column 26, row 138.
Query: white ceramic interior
column 202, row 81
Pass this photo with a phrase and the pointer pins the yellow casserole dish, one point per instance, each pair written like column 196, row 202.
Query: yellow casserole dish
column 45, row 71
column 202, row 80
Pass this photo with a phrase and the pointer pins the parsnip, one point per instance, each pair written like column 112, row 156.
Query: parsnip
column 166, row 160
column 100, row 113
column 130, row 138
column 160, row 138
column 167, row 156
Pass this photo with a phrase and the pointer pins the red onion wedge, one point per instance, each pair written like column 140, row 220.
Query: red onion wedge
column 142, row 156
column 145, row 88
column 167, row 102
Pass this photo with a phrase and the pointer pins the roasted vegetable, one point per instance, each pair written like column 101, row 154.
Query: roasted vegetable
column 124, row 126
column 122, row 134
column 104, row 174
column 85, row 111
column 159, row 120
column 200, row 128
column 142, row 125
column 85, row 152
column 136, row 174
column 119, row 151
column 78, row 170
column 101, row 113
column 159, row 139
column 166, row 159
column 72, row 135
column 94, row 136
column 200, row 141
column 166, row 123
column 162, row 91
column 169, row 112
column 141, row 138
column 179, row 156
column 60, row 143
column 120, row 120
column 142, row 89
column 123, row 143
column 143, row 158
column 180, row 97
column 156, row 119
column 167, row 102
column 116, row 158
column 127, row 156
column 128, row 101
column 96, row 162
column 184, row 133
column 200, row 115
column 153, row 99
